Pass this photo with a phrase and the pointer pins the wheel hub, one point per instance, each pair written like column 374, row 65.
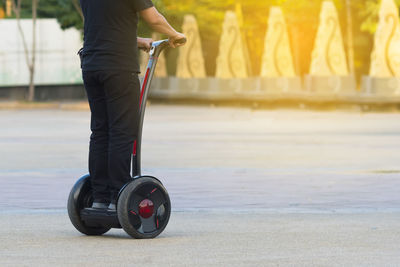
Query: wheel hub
column 146, row 208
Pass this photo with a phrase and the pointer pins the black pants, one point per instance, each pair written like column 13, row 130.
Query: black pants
column 114, row 103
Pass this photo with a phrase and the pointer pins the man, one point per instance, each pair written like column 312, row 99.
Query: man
column 110, row 68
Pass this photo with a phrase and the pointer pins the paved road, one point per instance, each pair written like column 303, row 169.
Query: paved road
column 247, row 187
column 204, row 239
column 217, row 158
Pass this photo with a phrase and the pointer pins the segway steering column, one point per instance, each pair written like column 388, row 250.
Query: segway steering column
column 156, row 48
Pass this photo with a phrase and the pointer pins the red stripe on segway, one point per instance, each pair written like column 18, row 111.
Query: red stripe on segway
column 146, row 77
column 133, row 212
column 152, row 191
column 134, row 147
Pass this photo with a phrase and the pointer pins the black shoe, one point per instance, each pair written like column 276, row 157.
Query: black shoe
column 100, row 205
column 112, row 206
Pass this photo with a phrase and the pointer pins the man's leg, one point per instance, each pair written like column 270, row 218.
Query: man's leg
column 98, row 151
column 122, row 89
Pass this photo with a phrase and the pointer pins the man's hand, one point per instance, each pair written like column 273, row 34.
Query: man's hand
column 144, row 43
column 174, row 40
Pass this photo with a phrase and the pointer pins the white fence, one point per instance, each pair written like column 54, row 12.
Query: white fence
column 56, row 58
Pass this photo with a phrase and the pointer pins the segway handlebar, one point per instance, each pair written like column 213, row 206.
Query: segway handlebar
column 158, row 46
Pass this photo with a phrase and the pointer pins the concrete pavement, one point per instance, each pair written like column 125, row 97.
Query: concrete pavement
column 248, row 187
column 208, row 239
column 217, row 158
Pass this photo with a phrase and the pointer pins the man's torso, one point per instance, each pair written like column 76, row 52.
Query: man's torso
column 110, row 33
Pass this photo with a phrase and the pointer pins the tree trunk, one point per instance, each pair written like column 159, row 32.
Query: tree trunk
column 295, row 50
column 31, row 96
column 77, row 7
column 350, row 47
column 29, row 62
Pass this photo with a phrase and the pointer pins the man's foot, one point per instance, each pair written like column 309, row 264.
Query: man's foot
column 112, row 206
column 100, row 205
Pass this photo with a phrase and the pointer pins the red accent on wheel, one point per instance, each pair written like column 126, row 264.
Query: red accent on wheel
column 152, row 191
column 146, row 208
column 134, row 213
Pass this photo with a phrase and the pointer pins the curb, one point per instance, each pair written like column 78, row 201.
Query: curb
column 23, row 105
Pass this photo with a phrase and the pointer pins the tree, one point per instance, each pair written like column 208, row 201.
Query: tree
column 302, row 18
column 369, row 11
column 67, row 12
column 350, row 46
column 29, row 57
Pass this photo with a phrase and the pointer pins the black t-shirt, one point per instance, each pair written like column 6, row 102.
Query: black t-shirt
column 110, row 33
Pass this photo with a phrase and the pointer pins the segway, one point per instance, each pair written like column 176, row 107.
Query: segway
column 143, row 206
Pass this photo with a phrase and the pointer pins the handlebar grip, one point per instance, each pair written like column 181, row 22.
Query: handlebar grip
column 181, row 41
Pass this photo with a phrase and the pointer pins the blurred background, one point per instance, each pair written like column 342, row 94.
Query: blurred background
column 40, row 38
column 309, row 186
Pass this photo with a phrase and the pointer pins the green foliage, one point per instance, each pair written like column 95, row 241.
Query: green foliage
column 63, row 10
column 209, row 14
column 302, row 18
column 369, row 11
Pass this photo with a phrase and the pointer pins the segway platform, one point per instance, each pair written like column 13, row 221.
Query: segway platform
column 97, row 218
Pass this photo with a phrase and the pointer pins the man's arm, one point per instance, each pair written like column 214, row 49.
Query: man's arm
column 158, row 23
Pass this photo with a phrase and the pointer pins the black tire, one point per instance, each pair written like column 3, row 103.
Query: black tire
column 79, row 198
column 143, row 188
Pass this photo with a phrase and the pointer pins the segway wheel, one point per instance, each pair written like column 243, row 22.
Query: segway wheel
column 79, row 198
column 144, row 208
